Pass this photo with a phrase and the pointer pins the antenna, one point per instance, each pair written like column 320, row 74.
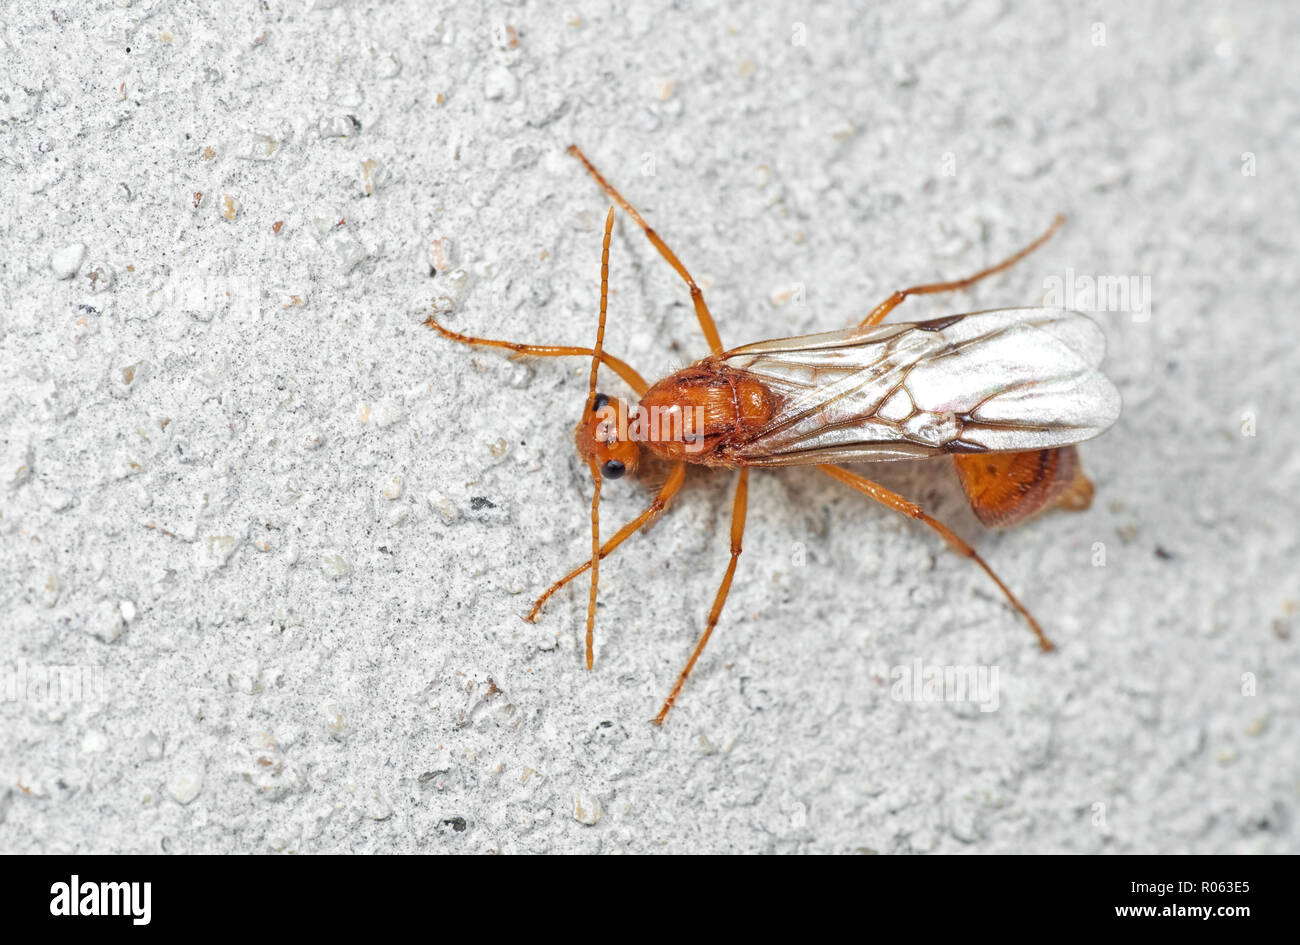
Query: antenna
column 591, row 401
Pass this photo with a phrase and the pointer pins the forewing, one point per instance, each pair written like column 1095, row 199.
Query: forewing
column 996, row 381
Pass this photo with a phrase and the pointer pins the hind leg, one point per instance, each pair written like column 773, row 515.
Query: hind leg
column 893, row 500
column 884, row 308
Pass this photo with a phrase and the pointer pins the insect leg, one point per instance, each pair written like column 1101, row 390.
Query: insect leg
column 737, row 533
column 697, row 296
column 666, row 493
column 621, row 367
column 884, row 308
column 896, row 502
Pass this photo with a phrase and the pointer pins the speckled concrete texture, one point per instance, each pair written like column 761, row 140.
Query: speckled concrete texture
column 266, row 540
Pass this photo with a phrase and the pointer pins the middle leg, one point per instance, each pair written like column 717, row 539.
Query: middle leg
column 697, row 295
column 737, row 533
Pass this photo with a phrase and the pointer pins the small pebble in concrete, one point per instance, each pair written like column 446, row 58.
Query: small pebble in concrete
column 65, row 262
column 184, row 786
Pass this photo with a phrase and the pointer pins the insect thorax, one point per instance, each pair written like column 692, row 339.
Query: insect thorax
column 702, row 409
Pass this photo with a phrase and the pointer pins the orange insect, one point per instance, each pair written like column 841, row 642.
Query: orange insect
column 1007, row 393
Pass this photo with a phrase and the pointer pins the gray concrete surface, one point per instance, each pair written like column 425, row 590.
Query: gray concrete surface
column 265, row 540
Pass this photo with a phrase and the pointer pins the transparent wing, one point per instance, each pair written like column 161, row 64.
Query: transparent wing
column 999, row 381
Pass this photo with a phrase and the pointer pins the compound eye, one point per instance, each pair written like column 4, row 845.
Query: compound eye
column 613, row 469
column 599, row 403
